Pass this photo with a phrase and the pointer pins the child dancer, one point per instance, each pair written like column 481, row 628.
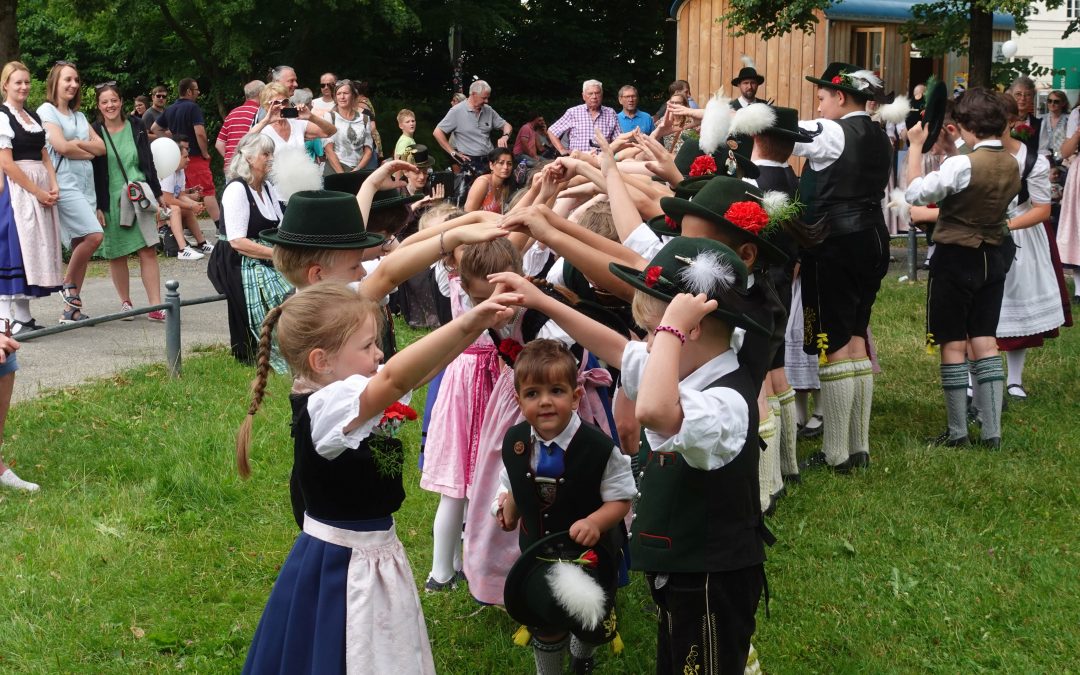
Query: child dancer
column 559, row 474
column 345, row 600
column 698, row 532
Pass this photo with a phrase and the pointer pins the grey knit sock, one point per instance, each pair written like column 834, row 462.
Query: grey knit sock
column 580, row 648
column 863, row 374
column 789, row 463
column 990, row 379
column 549, row 656
column 954, row 384
column 837, row 398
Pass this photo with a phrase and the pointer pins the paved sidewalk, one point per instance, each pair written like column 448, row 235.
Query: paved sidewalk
column 92, row 352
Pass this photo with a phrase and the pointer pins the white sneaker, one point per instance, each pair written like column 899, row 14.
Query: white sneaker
column 206, row 248
column 9, row 479
column 126, row 306
column 189, row 253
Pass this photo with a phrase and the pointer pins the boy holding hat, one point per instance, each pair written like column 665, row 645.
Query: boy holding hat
column 843, row 185
column 698, row 532
column 560, row 474
column 968, row 269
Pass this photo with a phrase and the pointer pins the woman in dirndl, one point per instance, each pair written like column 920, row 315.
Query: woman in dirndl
column 30, row 257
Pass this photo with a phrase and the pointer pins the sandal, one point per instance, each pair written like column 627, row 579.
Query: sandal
column 73, row 314
column 25, row 326
column 71, row 300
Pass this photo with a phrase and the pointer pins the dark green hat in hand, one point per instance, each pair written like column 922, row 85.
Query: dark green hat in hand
column 733, row 206
column 694, row 265
column 322, row 219
column 787, row 126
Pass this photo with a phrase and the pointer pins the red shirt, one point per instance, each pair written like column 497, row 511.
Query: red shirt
column 237, row 123
column 524, row 141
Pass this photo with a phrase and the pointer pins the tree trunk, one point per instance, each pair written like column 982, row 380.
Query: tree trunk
column 980, row 47
column 9, row 30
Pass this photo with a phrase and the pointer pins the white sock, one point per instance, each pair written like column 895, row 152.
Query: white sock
column 447, row 537
column 1015, row 361
column 777, row 476
column 9, row 479
column 863, row 375
column 5, row 307
column 837, row 398
column 767, row 433
column 789, row 463
column 1076, row 281
column 22, row 310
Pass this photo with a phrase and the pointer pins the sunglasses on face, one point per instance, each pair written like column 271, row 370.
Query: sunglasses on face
column 279, row 102
column 1054, row 101
column 159, row 95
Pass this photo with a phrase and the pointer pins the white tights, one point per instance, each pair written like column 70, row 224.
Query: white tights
column 446, row 552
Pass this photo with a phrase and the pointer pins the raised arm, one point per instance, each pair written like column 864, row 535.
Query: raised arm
column 381, row 179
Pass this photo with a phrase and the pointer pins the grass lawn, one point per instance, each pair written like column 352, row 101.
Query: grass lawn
column 144, row 552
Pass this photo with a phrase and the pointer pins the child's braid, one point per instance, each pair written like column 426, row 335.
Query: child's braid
column 258, row 391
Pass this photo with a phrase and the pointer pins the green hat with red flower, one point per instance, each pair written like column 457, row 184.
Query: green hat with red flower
column 692, row 162
column 853, row 80
column 734, row 206
column 695, row 265
column 561, row 585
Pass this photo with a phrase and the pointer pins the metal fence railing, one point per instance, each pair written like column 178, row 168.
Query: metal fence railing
column 172, row 306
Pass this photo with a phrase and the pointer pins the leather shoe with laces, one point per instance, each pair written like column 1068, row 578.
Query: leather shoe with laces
column 943, row 440
column 818, row 460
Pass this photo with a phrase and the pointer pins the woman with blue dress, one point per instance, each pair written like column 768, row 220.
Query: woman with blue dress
column 72, row 144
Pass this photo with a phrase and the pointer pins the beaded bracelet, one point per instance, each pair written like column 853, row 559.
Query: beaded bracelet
column 674, row 331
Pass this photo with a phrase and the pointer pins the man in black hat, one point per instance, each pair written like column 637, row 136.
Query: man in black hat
column 843, row 184
column 748, row 82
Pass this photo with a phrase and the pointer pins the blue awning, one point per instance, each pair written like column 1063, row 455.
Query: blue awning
column 889, row 11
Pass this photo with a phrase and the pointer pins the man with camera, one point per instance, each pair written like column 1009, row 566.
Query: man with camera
column 472, row 122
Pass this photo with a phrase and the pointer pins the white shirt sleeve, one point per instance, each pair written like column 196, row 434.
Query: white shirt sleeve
column 1039, row 181
column 826, row 147
column 332, row 408
column 632, row 367
column 554, row 275
column 953, row 176
column 644, row 242
column 7, row 134
column 234, row 211
column 1073, row 124
column 617, row 482
column 504, row 487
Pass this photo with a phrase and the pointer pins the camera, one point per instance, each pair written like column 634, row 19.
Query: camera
column 290, row 113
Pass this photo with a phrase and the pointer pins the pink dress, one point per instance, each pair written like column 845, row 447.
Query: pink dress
column 489, row 551
column 454, row 430
column 1068, row 229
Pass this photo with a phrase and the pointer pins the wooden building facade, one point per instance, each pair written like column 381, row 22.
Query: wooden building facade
column 861, row 32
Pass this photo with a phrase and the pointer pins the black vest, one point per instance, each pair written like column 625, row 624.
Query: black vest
column 849, row 191
column 25, row 144
column 689, row 520
column 576, row 492
column 348, row 487
column 780, row 179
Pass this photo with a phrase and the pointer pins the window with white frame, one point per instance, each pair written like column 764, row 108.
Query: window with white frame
column 1072, row 9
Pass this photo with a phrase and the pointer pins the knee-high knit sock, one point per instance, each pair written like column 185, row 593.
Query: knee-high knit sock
column 802, row 398
column 837, row 398
column 447, row 537
column 863, row 374
column 990, row 382
column 549, row 656
column 1015, row 361
column 954, row 384
column 789, row 463
column 580, row 648
column 767, row 433
column 777, row 476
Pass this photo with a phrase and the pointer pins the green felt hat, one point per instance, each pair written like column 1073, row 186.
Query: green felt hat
column 351, row 181
column 787, row 126
column 691, row 150
column 839, row 76
column 934, row 113
column 687, row 188
column 731, row 204
column 531, row 600
column 322, row 219
column 695, row 265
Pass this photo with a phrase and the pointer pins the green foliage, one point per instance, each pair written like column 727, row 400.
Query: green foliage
column 1003, row 73
column 772, row 18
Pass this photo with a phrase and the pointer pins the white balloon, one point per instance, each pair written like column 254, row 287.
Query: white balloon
column 1008, row 49
column 166, row 156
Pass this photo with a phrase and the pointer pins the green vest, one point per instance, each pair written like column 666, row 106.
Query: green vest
column 977, row 213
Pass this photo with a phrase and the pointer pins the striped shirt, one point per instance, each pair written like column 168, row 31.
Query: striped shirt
column 237, row 123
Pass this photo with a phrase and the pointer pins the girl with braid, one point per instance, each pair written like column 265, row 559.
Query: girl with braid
column 345, row 599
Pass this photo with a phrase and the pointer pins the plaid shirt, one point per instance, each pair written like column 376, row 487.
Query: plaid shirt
column 581, row 125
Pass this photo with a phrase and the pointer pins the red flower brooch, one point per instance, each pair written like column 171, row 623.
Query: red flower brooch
column 704, row 165
column 652, row 275
column 670, row 222
column 750, row 216
column 510, row 348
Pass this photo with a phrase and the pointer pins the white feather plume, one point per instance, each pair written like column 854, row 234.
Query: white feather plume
column 752, row 119
column 293, row 171
column 747, row 61
column 708, row 273
column 868, row 77
column 577, row 593
column 775, row 203
column 715, row 123
column 895, row 112
column 898, row 203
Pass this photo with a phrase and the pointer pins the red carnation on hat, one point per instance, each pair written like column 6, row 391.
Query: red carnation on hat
column 837, row 80
column 750, row 216
column 670, row 222
column 652, row 275
column 704, row 165
column 510, row 348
